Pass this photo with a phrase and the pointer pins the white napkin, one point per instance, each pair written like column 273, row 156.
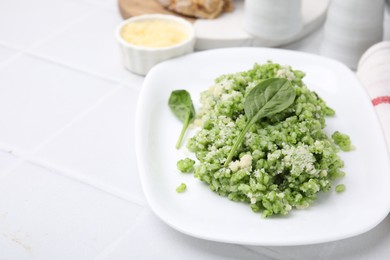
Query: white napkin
column 374, row 73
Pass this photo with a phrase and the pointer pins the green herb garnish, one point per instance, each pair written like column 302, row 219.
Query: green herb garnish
column 340, row 188
column 269, row 97
column 182, row 107
column 186, row 165
column 343, row 141
column 181, row 188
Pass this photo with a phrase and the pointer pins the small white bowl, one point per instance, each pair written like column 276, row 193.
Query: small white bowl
column 140, row 59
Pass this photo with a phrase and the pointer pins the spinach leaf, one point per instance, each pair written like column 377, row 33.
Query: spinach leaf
column 269, row 97
column 181, row 105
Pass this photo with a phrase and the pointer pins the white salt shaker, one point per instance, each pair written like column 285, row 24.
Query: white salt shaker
column 351, row 27
column 272, row 19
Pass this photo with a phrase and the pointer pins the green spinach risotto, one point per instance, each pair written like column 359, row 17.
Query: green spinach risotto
column 283, row 161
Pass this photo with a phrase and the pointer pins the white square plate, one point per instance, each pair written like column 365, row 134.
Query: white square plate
column 201, row 213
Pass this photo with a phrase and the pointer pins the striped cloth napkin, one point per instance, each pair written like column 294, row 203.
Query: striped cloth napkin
column 374, row 73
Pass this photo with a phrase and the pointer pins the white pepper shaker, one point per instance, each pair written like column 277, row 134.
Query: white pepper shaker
column 273, row 19
column 351, row 27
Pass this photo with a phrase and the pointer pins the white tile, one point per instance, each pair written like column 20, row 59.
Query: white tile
column 373, row 244
column 22, row 23
column 152, row 239
column 38, row 98
column 111, row 4
column 46, row 216
column 100, row 146
column 7, row 159
column 6, row 54
column 91, row 45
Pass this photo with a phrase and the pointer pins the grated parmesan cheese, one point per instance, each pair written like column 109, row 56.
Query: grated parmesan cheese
column 244, row 163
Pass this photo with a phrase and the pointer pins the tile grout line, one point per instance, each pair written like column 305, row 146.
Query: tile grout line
column 146, row 211
column 22, row 51
column 268, row 252
column 327, row 249
column 116, row 242
column 52, row 34
column 11, row 59
column 274, row 256
column 22, row 158
column 7, row 149
column 77, row 118
column 18, row 159
column 85, row 71
column 28, row 50
column 62, row 29
column 86, row 181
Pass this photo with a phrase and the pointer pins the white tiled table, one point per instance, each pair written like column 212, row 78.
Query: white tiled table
column 69, row 186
